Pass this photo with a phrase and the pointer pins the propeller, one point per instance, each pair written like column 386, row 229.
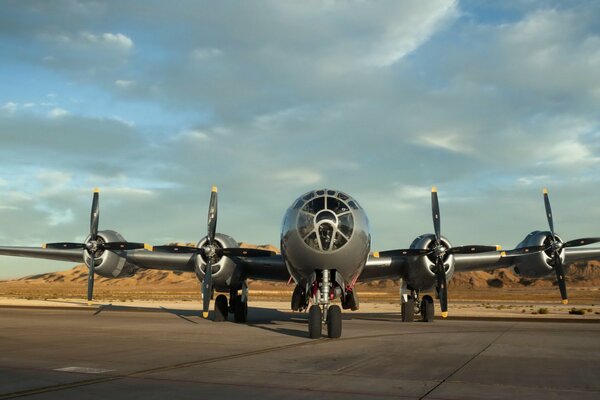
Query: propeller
column 556, row 246
column 95, row 245
column 439, row 251
column 212, row 251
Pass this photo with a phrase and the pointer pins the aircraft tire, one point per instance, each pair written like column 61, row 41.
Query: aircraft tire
column 427, row 309
column 334, row 322
column 315, row 322
column 221, row 308
column 408, row 310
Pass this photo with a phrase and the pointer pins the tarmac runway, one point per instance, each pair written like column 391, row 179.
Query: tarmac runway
column 113, row 354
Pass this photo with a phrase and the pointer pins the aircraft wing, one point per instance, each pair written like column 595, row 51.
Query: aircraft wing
column 270, row 268
column 384, row 268
column 140, row 258
column 74, row 255
column 398, row 267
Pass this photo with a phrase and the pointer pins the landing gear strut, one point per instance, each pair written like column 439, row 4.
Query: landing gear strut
column 410, row 304
column 239, row 304
column 322, row 312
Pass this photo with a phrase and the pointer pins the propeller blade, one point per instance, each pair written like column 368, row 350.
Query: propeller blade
column 442, row 287
column 239, row 252
column 90, row 286
column 435, row 211
column 212, row 215
column 549, row 212
column 474, row 249
column 206, row 289
column 560, row 277
column 64, row 246
column 125, row 246
column 177, row 249
column 402, row 253
column 522, row 251
column 95, row 216
column 580, row 242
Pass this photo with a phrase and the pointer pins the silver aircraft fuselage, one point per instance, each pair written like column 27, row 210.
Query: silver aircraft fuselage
column 325, row 229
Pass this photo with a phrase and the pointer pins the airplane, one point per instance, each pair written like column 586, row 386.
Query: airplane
column 325, row 251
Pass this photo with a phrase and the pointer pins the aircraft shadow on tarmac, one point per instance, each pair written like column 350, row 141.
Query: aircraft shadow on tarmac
column 260, row 318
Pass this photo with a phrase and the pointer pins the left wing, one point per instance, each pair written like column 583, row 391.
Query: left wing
column 74, row 255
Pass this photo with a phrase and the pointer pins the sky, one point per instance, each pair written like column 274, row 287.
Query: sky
column 154, row 102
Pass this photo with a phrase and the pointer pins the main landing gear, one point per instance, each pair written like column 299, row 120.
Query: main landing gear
column 238, row 306
column 322, row 312
column 410, row 304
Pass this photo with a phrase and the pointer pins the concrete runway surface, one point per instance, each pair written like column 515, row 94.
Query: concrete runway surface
column 114, row 353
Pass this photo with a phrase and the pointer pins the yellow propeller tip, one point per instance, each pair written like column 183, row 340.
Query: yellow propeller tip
column 376, row 254
column 214, row 189
column 204, row 314
column 96, row 190
column 498, row 247
column 433, row 189
column 89, row 303
column 44, row 246
column 444, row 314
column 503, row 254
column 148, row 247
column 565, row 301
column 545, row 190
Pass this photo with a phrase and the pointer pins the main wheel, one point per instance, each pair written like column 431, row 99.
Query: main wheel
column 408, row 310
column 298, row 299
column 240, row 311
column 314, row 322
column 221, row 308
column 427, row 309
column 334, row 322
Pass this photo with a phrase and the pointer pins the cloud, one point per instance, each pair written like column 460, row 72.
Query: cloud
column 489, row 102
column 10, row 107
column 57, row 112
column 297, row 177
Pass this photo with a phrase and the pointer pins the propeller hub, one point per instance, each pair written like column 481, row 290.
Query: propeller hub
column 439, row 250
column 209, row 251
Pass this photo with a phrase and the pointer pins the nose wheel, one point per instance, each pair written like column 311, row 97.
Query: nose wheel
column 322, row 312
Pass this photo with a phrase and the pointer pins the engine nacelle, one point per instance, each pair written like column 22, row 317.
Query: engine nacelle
column 421, row 274
column 537, row 265
column 225, row 274
column 110, row 264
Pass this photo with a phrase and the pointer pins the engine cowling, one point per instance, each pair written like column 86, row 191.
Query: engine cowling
column 110, row 264
column 421, row 274
column 537, row 265
column 225, row 274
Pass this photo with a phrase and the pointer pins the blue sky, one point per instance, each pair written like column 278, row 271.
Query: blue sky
column 155, row 102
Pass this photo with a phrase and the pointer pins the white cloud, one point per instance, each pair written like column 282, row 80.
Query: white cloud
column 111, row 40
column 60, row 217
column 57, row 112
column 297, row 177
column 195, row 135
column 10, row 107
column 202, row 54
column 447, row 141
column 124, row 83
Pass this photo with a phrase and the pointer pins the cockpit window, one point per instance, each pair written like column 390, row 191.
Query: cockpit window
column 325, row 222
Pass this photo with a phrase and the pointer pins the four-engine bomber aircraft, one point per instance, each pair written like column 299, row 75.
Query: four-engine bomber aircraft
column 325, row 249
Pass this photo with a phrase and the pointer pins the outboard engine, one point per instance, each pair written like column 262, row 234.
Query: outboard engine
column 537, row 265
column 109, row 264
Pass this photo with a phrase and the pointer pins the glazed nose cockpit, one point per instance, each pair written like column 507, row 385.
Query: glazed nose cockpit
column 325, row 220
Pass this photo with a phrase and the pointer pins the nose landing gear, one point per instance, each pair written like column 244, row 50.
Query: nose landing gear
column 322, row 312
